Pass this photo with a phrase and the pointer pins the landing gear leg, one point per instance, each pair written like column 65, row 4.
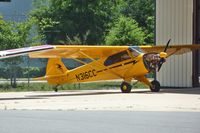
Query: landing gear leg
column 126, row 87
column 155, row 86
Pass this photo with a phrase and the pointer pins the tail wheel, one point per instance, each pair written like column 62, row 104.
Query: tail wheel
column 155, row 86
column 55, row 88
column 126, row 87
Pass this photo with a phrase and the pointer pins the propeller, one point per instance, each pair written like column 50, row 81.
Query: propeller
column 163, row 55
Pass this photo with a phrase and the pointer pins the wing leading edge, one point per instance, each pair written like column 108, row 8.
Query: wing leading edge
column 24, row 51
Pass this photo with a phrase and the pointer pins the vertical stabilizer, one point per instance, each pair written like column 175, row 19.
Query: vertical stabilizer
column 56, row 71
column 55, row 67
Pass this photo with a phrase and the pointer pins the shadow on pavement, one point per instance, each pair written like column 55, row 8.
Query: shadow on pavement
column 74, row 94
column 20, row 98
column 181, row 90
column 92, row 93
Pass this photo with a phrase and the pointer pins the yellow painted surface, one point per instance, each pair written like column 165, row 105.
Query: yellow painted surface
column 128, row 69
column 95, row 71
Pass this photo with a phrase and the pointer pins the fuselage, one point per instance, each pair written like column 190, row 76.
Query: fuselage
column 122, row 65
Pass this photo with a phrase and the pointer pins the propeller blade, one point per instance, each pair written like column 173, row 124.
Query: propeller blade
column 162, row 60
column 167, row 45
column 159, row 66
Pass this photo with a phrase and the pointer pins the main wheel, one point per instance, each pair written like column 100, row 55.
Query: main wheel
column 126, row 87
column 155, row 86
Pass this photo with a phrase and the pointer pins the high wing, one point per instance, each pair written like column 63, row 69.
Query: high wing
column 79, row 51
column 171, row 50
column 23, row 51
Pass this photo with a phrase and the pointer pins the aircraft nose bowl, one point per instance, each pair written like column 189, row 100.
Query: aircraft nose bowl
column 151, row 61
column 163, row 55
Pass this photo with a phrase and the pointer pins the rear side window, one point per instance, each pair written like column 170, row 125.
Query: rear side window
column 122, row 56
column 71, row 63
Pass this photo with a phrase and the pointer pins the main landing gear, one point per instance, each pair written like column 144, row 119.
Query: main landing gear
column 154, row 86
column 126, row 87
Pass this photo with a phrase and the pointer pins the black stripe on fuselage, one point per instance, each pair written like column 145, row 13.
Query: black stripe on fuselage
column 99, row 71
column 134, row 62
column 128, row 62
column 115, row 66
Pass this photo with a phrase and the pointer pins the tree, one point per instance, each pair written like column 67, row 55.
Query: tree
column 62, row 19
column 143, row 12
column 125, row 31
column 13, row 35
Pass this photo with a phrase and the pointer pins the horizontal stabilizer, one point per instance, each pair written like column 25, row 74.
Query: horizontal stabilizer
column 40, row 78
column 49, row 77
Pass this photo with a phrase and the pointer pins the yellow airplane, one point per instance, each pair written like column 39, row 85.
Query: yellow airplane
column 102, row 62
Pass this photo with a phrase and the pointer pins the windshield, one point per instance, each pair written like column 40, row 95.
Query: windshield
column 134, row 52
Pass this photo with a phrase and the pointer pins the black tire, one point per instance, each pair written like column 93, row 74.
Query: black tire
column 155, row 86
column 55, row 88
column 126, row 87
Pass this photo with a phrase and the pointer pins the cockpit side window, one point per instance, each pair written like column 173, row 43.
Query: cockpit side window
column 122, row 56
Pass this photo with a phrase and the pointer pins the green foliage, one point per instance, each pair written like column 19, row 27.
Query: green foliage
column 30, row 72
column 77, row 39
column 62, row 19
column 4, row 73
column 83, row 86
column 125, row 31
column 14, row 35
column 69, row 21
column 143, row 12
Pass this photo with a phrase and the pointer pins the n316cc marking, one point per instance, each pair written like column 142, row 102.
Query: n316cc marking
column 86, row 75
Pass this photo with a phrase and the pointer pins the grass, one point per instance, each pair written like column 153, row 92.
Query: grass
column 24, row 87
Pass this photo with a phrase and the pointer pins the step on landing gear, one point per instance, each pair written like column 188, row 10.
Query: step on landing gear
column 155, row 86
column 126, row 87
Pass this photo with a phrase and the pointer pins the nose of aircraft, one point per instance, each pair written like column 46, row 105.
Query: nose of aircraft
column 163, row 55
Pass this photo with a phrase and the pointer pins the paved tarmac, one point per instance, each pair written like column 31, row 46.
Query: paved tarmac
column 98, row 122
column 101, row 111
column 184, row 100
